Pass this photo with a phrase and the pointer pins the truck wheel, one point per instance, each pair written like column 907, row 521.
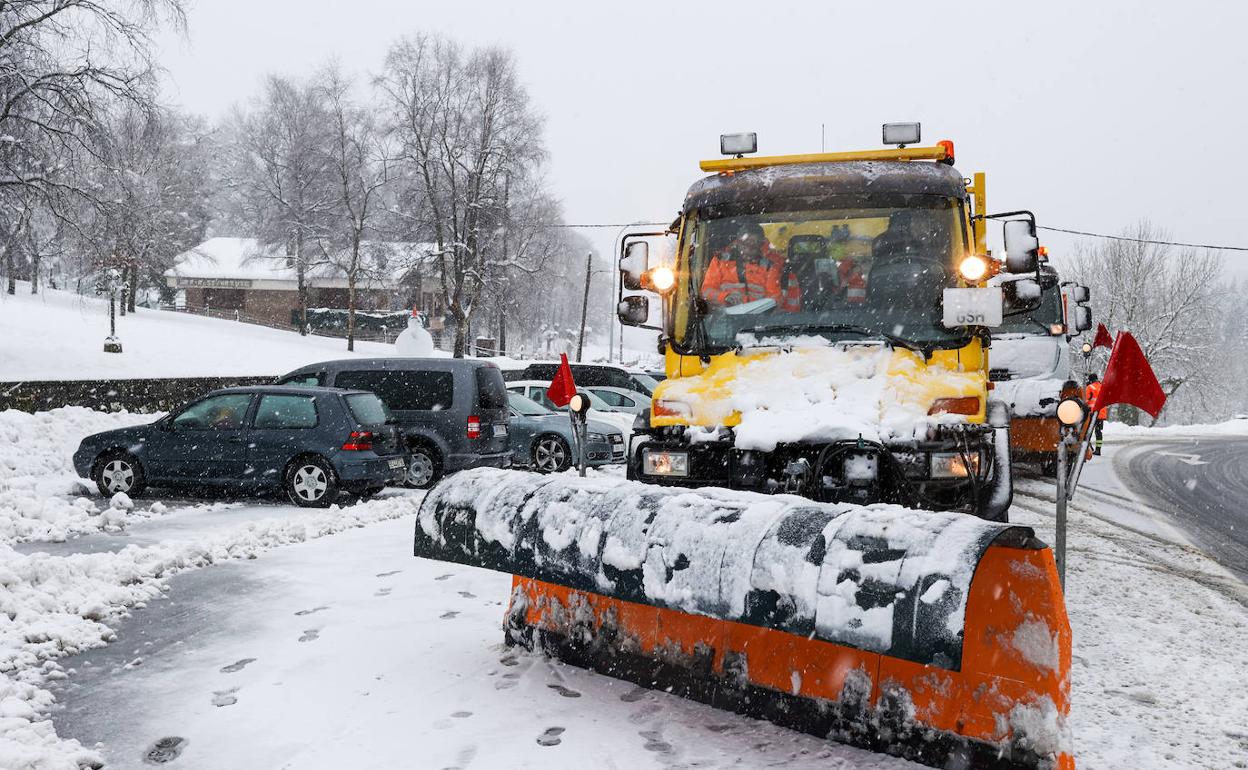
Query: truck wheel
column 551, row 454
column 424, row 467
column 311, row 483
column 118, row 471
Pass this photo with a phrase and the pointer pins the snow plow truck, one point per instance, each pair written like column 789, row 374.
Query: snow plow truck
column 931, row 635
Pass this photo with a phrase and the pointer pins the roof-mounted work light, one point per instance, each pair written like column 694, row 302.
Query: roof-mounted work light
column 738, row 144
column 902, row 134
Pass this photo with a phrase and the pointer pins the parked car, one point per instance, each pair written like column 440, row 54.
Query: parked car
column 535, row 390
column 620, row 399
column 452, row 412
column 610, row 375
column 311, row 442
column 542, row 439
column 658, row 375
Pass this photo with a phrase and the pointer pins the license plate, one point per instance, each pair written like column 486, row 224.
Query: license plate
column 665, row 463
column 500, row 430
column 395, row 464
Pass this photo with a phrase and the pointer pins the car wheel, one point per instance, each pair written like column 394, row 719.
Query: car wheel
column 551, row 454
column 424, row 467
column 118, row 472
column 311, row 483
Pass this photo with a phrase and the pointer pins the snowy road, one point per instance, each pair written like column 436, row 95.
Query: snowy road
column 1204, row 482
column 349, row 652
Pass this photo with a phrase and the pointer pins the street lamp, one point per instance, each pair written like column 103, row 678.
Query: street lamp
column 111, row 343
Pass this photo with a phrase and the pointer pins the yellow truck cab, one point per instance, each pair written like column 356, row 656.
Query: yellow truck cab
column 825, row 324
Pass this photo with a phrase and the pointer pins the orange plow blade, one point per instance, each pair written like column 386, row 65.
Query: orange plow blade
column 936, row 637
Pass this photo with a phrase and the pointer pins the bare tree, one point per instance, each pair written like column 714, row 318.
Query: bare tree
column 1169, row 299
column 280, row 179
column 361, row 169
column 465, row 131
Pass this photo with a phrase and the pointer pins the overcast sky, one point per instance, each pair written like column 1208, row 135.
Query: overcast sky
column 1092, row 114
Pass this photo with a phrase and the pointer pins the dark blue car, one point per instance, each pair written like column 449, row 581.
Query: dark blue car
column 311, row 442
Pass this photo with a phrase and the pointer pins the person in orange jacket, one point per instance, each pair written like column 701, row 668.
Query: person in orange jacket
column 749, row 269
column 1090, row 393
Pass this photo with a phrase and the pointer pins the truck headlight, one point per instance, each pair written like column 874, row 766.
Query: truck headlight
column 657, row 463
column 954, row 465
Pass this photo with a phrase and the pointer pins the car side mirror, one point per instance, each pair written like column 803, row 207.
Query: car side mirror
column 634, row 263
column 1083, row 318
column 633, row 311
column 1022, row 247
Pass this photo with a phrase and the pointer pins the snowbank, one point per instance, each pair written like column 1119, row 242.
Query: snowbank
column 53, row 606
column 1236, row 427
column 40, row 495
column 813, row 391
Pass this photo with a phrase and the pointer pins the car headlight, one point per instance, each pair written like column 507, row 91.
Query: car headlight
column 954, row 465
column 596, row 438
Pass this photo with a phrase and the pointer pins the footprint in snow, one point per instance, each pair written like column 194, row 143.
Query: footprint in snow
column 310, row 635
column 165, row 750
column 467, row 594
column 237, row 666
column 309, row 612
column 719, row 728
column 634, row 695
column 550, row 737
column 449, row 615
column 509, row 660
column 505, row 684
column 388, row 574
column 444, row 577
column 655, row 742
column 461, row 714
column 644, row 713
column 225, row 697
column 382, row 592
column 564, row 691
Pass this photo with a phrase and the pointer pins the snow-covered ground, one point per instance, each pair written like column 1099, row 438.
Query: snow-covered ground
column 314, row 639
column 156, row 343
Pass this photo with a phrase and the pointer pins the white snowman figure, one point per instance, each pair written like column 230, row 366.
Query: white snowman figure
column 415, row 341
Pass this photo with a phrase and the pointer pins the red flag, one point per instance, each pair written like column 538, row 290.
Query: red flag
column 1103, row 337
column 1129, row 379
column 562, row 388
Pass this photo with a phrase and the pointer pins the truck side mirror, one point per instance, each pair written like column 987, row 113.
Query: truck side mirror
column 1083, row 317
column 1022, row 247
column 633, row 311
column 1079, row 294
column 634, row 262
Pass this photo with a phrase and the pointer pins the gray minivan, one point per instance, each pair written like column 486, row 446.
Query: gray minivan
column 452, row 411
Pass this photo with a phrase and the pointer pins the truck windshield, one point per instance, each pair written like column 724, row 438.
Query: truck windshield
column 1038, row 321
column 871, row 269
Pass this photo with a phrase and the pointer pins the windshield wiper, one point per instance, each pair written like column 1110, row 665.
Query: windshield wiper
column 814, row 328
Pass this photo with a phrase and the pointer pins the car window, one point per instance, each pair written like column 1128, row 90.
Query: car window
column 224, row 412
column 307, row 378
column 525, row 406
column 403, row 391
column 368, row 409
column 538, row 394
column 491, row 390
column 614, row 399
column 278, row 412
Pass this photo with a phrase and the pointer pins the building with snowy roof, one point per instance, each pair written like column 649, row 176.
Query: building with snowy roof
column 260, row 283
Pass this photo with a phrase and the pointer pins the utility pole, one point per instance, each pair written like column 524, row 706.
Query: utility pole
column 589, row 271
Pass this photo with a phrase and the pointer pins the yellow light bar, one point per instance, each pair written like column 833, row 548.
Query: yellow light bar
column 907, row 153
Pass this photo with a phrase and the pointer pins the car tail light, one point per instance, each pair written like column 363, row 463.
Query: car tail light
column 474, row 427
column 963, row 405
column 359, row 441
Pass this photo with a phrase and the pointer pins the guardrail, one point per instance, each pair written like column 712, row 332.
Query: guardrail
column 139, row 395
column 442, row 341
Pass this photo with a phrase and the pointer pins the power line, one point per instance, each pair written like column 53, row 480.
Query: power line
column 1038, row 227
column 1141, row 240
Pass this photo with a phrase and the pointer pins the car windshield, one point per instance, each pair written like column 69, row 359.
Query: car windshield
column 867, row 269
column 526, row 407
column 1038, row 321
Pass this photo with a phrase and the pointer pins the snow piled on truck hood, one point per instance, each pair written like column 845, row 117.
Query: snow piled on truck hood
column 813, row 391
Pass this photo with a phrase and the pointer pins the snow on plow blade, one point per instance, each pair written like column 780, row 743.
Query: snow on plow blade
column 937, row 637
